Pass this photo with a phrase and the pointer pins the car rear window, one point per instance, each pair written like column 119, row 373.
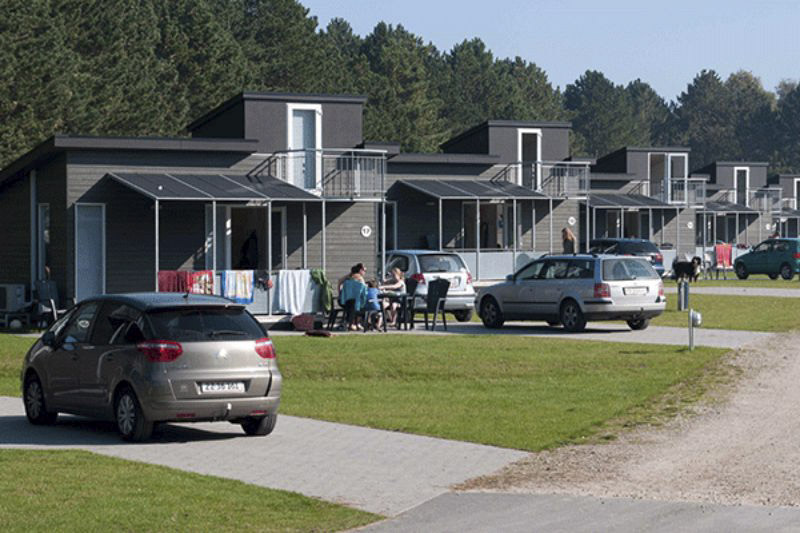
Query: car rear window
column 440, row 263
column 204, row 324
column 627, row 269
column 637, row 248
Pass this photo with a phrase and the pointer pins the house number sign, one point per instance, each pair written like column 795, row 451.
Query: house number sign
column 366, row 232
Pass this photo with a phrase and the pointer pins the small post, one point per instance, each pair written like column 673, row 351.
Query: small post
column 691, row 330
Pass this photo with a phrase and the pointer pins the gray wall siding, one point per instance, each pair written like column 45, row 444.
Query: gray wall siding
column 345, row 244
column 417, row 216
column 15, row 235
column 675, row 229
column 477, row 143
column 562, row 210
column 503, row 143
column 638, row 164
column 266, row 121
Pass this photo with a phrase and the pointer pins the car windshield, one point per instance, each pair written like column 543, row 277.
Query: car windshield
column 440, row 263
column 204, row 324
column 627, row 269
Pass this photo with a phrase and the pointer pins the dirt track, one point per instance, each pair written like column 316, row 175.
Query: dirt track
column 745, row 450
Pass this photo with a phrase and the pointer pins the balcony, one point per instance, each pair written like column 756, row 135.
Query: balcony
column 765, row 200
column 557, row 179
column 330, row 173
column 682, row 191
column 789, row 203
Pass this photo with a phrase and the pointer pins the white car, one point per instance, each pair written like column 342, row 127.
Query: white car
column 573, row 289
column 424, row 266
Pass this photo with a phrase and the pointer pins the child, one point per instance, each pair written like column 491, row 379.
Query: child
column 373, row 301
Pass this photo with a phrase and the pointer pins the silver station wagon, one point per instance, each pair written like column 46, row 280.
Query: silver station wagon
column 140, row 359
column 573, row 289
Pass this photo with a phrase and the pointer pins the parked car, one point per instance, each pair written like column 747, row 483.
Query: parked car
column 573, row 289
column 427, row 265
column 774, row 257
column 139, row 359
column 636, row 247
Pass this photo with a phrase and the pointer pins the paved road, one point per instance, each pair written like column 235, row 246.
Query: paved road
column 382, row 472
column 597, row 331
column 740, row 291
column 511, row 513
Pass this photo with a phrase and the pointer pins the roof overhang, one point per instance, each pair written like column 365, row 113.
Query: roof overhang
column 471, row 189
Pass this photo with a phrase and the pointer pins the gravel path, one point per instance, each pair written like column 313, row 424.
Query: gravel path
column 742, row 449
column 740, row 291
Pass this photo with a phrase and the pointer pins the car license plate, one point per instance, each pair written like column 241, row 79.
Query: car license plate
column 631, row 291
column 222, row 386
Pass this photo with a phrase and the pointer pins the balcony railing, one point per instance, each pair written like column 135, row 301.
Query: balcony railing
column 789, row 203
column 330, row 173
column 766, row 200
column 568, row 179
column 682, row 191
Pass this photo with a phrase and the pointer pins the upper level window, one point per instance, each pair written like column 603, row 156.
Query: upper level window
column 741, row 177
column 529, row 154
column 304, row 140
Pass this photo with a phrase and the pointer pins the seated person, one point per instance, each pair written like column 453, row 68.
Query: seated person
column 373, row 300
column 395, row 282
column 353, row 298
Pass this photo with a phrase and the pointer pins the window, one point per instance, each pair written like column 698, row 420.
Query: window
column 80, row 326
column 204, row 324
column 781, row 246
column 112, row 320
column 43, row 244
column 555, row 269
column 627, row 269
column 429, row 263
column 397, row 261
column 763, row 247
column 530, row 271
column 633, row 247
column 580, row 269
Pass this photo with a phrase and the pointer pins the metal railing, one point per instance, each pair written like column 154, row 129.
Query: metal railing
column 682, row 191
column 331, row 173
column 569, row 179
column 789, row 203
column 766, row 200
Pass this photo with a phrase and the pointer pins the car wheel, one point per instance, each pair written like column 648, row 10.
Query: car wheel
column 131, row 422
column 638, row 324
column 741, row 271
column 35, row 405
column 572, row 317
column 463, row 315
column 259, row 425
column 491, row 315
column 553, row 323
column 773, row 276
column 786, row 271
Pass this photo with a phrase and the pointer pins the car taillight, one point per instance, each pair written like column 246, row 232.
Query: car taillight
column 265, row 349
column 658, row 258
column 602, row 290
column 661, row 288
column 797, row 256
column 469, row 278
column 419, row 278
column 160, row 351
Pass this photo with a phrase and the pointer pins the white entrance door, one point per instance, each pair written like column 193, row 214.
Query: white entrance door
column 304, row 137
column 90, row 250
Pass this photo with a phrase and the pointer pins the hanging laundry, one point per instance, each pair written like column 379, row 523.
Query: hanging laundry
column 238, row 285
column 202, row 282
column 173, row 281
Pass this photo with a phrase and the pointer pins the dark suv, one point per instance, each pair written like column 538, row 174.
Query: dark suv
column 637, row 247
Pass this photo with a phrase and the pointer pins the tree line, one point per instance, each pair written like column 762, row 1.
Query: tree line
column 149, row 67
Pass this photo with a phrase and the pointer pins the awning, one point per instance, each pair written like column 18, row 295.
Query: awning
column 205, row 187
column 471, row 189
column 620, row 200
column 727, row 207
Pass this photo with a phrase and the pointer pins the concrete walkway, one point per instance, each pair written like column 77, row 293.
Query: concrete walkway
column 511, row 513
column 740, row 291
column 382, row 472
column 597, row 331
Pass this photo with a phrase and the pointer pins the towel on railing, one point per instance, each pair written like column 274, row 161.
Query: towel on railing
column 294, row 286
column 173, row 281
column 202, row 282
column 723, row 254
column 238, row 285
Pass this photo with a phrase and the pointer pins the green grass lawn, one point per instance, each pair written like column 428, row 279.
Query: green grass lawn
column 507, row 391
column 753, row 313
column 754, row 281
column 73, row 490
column 12, row 351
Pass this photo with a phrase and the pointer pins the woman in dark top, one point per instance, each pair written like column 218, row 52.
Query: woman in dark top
column 569, row 240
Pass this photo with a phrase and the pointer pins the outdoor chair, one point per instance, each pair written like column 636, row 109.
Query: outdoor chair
column 436, row 300
column 46, row 307
column 407, row 316
column 336, row 313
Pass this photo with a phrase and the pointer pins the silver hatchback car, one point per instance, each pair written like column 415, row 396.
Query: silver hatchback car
column 573, row 289
column 139, row 359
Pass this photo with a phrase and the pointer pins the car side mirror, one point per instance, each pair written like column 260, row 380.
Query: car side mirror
column 49, row 339
column 510, row 277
